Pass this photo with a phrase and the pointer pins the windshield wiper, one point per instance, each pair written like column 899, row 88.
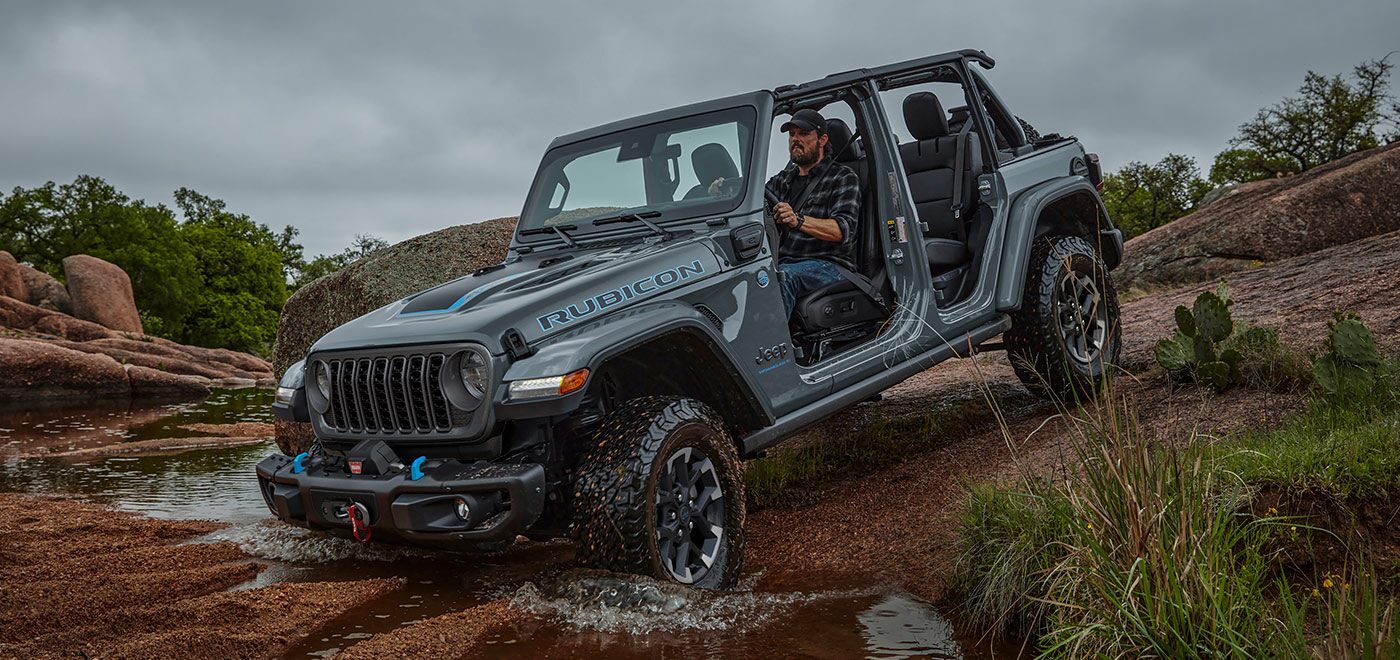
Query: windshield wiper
column 635, row 217
column 553, row 229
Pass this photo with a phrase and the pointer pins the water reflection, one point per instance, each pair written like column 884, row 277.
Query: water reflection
column 900, row 627
column 56, row 426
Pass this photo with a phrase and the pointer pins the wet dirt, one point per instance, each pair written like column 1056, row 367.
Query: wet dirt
column 339, row 594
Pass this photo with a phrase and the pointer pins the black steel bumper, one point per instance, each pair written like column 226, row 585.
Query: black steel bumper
column 504, row 499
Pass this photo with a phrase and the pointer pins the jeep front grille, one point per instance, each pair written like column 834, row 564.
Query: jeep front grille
column 390, row 395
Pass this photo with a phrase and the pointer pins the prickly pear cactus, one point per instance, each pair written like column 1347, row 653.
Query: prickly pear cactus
column 1212, row 317
column 1351, row 365
column 1174, row 353
column 1352, row 342
column 1195, row 351
column 1185, row 321
column 1214, row 374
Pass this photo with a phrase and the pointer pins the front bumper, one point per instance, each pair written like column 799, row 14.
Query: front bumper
column 506, row 499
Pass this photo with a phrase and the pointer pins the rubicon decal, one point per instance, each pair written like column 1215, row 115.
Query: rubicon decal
column 664, row 279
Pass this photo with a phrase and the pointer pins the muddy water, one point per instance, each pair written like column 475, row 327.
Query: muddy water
column 585, row 614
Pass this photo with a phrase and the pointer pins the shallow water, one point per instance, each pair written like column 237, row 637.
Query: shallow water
column 584, row 614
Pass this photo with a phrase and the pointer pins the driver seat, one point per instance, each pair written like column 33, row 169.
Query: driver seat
column 842, row 303
column 712, row 162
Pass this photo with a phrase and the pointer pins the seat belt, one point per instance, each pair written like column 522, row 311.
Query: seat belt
column 861, row 283
column 960, row 159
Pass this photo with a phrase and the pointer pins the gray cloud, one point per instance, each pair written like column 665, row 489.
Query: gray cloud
column 341, row 117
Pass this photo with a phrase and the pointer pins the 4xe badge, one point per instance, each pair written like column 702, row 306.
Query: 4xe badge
column 770, row 354
column 763, row 277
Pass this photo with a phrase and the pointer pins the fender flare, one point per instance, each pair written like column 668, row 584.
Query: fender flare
column 591, row 345
column 1027, row 224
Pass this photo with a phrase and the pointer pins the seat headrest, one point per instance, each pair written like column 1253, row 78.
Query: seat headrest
column 924, row 117
column 711, row 162
column 838, row 136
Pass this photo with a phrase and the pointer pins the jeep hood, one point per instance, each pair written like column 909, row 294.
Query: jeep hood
column 538, row 295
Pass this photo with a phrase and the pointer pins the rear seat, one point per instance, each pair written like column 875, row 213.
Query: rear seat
column 929, row 163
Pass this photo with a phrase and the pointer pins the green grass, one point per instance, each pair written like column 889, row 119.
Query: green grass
column 1140, row 551
column 1349, row 453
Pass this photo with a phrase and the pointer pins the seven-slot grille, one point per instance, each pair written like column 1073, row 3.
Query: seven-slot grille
column 400, row 394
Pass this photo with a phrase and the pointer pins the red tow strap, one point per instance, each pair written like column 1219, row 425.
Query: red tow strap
column 355, row 512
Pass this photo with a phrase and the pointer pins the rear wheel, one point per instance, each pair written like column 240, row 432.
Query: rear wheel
column 1064, row 340
column 660, row 493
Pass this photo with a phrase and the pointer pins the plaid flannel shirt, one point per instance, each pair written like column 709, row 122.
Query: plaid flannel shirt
column 834, row 194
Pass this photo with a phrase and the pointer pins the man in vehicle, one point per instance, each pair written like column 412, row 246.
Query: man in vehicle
column 818, row 204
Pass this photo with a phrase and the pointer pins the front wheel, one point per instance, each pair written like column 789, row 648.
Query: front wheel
column 1064, row 341
column 660, row 493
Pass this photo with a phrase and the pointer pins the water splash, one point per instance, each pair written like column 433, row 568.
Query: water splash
column 281, row 542
column 635, row 605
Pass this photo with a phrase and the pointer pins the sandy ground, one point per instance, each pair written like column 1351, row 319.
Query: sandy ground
column 78, row 579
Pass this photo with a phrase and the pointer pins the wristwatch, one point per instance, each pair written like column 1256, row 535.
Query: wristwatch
column 800, row 219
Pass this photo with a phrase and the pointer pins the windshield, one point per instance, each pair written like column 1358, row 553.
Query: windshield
column 682, row 168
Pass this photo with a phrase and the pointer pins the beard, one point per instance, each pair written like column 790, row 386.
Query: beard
column 806, row 157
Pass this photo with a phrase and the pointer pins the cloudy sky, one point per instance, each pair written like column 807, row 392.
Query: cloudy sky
column 395, row 119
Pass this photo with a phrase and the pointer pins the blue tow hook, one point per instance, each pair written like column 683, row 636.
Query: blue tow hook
column 297, row 467
column 415, row 471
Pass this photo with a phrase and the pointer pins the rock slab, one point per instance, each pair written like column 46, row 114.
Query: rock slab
column 101, row 293
column 11, row 283
column 1265, row 221
column 44, row 291
column 383, row 277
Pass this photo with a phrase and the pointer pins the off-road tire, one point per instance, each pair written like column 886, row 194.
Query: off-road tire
column 615, row 493
column 1036, row 342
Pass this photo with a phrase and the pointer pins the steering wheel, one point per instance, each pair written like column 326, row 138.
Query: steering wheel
column 770, row 221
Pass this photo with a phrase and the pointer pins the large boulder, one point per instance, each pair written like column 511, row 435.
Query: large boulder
column 11, row 283
column 45, row 291
column 383, row 277
column 101, row 293
column 1257, row 223
column 40, row 370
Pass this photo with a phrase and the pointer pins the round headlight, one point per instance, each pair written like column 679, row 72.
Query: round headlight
column 323, row 379
column 474, row 373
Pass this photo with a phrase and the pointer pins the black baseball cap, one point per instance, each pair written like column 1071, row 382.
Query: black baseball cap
column 805, row 118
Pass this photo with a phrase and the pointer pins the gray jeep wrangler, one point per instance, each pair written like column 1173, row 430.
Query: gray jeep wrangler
column 606, row 380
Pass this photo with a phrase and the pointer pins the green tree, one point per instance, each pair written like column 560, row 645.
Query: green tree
column 245, row 282
column 89, row 216
column 1329, row 118
column 1141, row 197
column 325, row 264
column 1241, row 165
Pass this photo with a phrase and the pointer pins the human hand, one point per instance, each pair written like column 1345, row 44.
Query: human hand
column 784, row 214
column 716, row 187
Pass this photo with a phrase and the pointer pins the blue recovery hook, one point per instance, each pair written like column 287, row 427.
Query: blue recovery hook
column 297, row 467
column 415, row 471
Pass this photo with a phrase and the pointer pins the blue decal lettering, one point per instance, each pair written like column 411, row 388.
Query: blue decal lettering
column 695, row 268
column 553, row 318
column 608, row 299
column 578, row 314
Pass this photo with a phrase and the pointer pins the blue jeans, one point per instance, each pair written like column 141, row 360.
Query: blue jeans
column 801, row 276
